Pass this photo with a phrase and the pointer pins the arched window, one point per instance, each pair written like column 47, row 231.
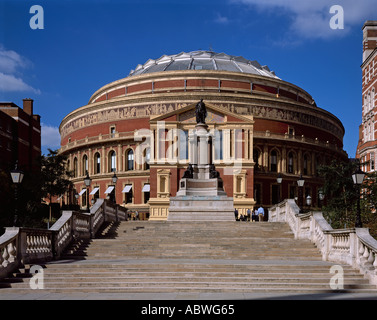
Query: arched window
column 369, row 131
column 256, row 158
column 130, row 160
column 147, row 158
column 97, row 163
column 273, row 161
column 75, row 173
column 290, row 163
column 112, row 161
column 84, row 164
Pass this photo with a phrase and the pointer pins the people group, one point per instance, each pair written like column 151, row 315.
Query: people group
column 257, row 215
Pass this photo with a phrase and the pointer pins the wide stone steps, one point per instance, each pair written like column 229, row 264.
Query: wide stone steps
column 170, row 257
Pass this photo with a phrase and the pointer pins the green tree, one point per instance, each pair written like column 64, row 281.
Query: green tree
column 49, row 180
column 369, row 203
column 340, row 193
column 54, row 176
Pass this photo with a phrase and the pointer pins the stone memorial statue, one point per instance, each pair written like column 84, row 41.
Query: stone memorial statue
column 201, row 112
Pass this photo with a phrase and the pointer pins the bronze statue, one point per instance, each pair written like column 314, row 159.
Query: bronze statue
column 213, row 173
column 201, row 112
column 189, row 173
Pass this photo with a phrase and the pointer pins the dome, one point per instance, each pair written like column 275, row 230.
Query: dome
column 203, row 60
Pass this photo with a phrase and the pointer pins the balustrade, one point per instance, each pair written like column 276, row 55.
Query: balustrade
column 20, row 246
column 355, row 246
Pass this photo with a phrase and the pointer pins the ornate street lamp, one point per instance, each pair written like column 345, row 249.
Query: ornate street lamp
column 358, row 178
column 300, row 183
column 114, row 179
column 87, row 181
column 17, row 176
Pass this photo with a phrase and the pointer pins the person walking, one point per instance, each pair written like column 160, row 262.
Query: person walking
column 248, row 214
column 260, row 213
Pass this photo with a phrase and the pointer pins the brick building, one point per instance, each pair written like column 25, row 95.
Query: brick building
column 367, row 145
column 139, row 127
column 20, row 136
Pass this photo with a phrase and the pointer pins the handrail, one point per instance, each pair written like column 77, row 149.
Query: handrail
column 20, row 246
column 352, row 246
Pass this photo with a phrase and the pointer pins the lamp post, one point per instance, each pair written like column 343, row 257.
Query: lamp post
column 87, row 181
column 114, row 179
column 358, row 178
column 300, row 183
column 279, row 180
column 17, row 176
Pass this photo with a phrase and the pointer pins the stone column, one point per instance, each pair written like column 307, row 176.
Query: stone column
column 284, row 160
column 202, row 145
column 90, row 161
column 193, row 152
column 120, row 158
column 103, row 160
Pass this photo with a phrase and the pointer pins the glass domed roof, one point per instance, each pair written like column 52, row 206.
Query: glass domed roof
column 203, row 60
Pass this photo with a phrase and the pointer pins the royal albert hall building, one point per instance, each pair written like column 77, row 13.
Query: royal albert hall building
column 139, row 128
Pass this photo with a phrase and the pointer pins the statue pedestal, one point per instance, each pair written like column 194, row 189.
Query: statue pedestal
column 201, row 208
column 201, row 200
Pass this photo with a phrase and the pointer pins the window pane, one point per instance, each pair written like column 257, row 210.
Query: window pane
column 218, row 145
column 130, row 160
column 183, row 144
column 113, row 161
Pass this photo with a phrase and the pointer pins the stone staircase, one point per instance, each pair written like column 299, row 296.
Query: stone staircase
column 171, row 257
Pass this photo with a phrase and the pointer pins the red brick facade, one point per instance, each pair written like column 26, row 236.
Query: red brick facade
column 20, row 136
column 290, row 135
column 367, row 145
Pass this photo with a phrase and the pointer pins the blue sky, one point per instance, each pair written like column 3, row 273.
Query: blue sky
column 86, row 44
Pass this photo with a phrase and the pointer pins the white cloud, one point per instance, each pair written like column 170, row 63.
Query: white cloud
column 9, row 82
column 310, row 19
column 11, row 60
column 10, row 78
column 221, row 19
column 50, row 136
